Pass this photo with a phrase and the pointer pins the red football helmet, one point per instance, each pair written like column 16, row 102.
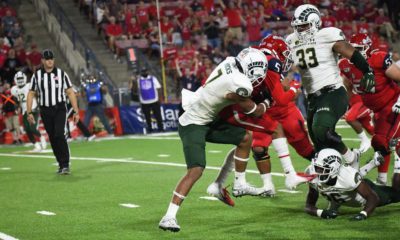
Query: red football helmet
column 277, row 47
column 363, row 43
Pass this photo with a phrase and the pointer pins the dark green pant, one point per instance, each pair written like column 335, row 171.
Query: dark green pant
column 386, row 194
column 194, row 138
column 31, row 129
column 324, row 112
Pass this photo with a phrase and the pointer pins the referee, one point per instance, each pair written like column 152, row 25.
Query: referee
column 51, row 85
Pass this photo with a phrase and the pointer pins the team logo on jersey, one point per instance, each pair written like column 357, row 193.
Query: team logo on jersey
column 242, row 92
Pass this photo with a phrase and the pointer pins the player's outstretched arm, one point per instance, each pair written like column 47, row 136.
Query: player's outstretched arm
column 312, row 198
column 249, row 107
column 372, row 201
column 346, row 50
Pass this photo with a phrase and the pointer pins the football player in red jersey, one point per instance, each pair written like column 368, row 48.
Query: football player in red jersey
column 358, row 116
column 266, row 129
column 384, row 101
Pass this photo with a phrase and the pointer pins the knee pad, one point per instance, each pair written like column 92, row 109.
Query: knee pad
column 380, row 143
column 261, row 155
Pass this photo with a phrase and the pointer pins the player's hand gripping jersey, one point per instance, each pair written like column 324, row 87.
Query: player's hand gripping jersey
column 316, row 60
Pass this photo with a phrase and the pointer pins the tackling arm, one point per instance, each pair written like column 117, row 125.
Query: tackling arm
column 275, row 87
column 249, row 107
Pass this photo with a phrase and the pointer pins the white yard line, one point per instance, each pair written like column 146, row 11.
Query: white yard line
column 121, row 160
column 129, row 205
column 4, row 236
column 46, row 213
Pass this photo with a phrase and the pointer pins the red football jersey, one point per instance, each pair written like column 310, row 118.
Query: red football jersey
column 386, row 90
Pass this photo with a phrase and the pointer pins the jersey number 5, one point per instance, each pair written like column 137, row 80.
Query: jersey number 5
column 310, row 54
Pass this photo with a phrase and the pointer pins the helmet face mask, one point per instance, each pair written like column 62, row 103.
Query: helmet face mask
column 326, row 164
column 254, row 65
column 306, row 21
column 362, row 43
column 277, row 47
column 20, row 79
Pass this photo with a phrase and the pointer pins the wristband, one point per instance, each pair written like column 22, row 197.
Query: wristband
column 319, row 212
column 252, row 110
column 364, row 213
column 265, row 107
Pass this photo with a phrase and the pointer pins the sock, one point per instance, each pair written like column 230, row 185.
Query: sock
column 282, row 150
column 362, row 136
column 396, row 165
column 385, row 166
column 382, row 176
column 172, row 210
column 240, row 178
column 367, row 168
column 266, row 178
column 227, row 167
column 349, row 156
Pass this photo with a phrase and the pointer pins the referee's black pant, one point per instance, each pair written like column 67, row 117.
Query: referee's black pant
column 54, row 119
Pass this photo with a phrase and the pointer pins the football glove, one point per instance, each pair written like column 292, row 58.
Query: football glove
column 396, row 106
column 368, row 82
column 328, row 214
column 359, row 217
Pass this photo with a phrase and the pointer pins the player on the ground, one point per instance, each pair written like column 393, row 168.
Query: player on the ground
column 341, row 184
column 315, row 52
column 231, row 82
column 20, row 91
column 267, row 130
column 384, row 102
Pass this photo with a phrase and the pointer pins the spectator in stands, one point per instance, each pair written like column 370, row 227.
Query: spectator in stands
column 10, row 67
column 6, row 7
column 34, row 58
column 7, row 22
column 166, row 28
column 385, row 26
column 343, row 13
column 232, row 12
column 149, row 92
column 186, row 31
column 253, row 28
column 217, row 56
column 100, row 13
column 20, row 51
column 114, row 9
column 188, row 80
column 370, row 11
column 327, row 19
column 195, row 5
column 211, row 29
column 381, row 44
column 234, row 47
column 133, row 29
column 182, row 12
column 266, row 30
column 222, row 22
column 113, row 32
column 362, row 26
column 142, row 13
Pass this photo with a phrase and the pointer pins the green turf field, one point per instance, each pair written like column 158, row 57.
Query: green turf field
column 106, row 174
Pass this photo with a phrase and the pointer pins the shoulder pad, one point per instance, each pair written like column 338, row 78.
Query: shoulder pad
column 330, row 34
column 274, row 65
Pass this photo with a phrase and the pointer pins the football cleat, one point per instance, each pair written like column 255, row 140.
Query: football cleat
column 43, row 142
column 91, row 138
column 245, row 189
column 379, row 182
column 169, row 223
column 37, row 147
column 292, row 180
column 267, row 191
column 216, row 190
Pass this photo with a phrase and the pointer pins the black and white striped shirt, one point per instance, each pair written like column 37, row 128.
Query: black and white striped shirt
column 50, row 86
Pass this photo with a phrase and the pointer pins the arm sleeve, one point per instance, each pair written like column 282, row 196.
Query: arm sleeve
column 276, row 89
column 33, row 84
column 67, row 81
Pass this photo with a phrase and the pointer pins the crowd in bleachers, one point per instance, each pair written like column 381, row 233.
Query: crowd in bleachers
column 198, row 34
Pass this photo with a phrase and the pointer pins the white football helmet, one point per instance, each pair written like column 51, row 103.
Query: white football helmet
column 326, row 164
column 306, row 21
column 254, row 65
column 20, row 79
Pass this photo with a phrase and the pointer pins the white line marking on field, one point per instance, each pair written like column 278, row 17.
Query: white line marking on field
column 46, row 213
column 209, row 198
column 4, row 236
column 163, row 155
column 129, row 205
column 47, row 151
column 288, row 191
column 123, row 160
column 5, row 168
column 214, row 151
column 54, row 164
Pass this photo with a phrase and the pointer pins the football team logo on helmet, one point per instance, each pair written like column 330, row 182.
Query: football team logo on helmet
column 363, row 43
column 254, row 65
column 278, row 48
column 20, row 79
column 326, row 164
column 306, row 21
